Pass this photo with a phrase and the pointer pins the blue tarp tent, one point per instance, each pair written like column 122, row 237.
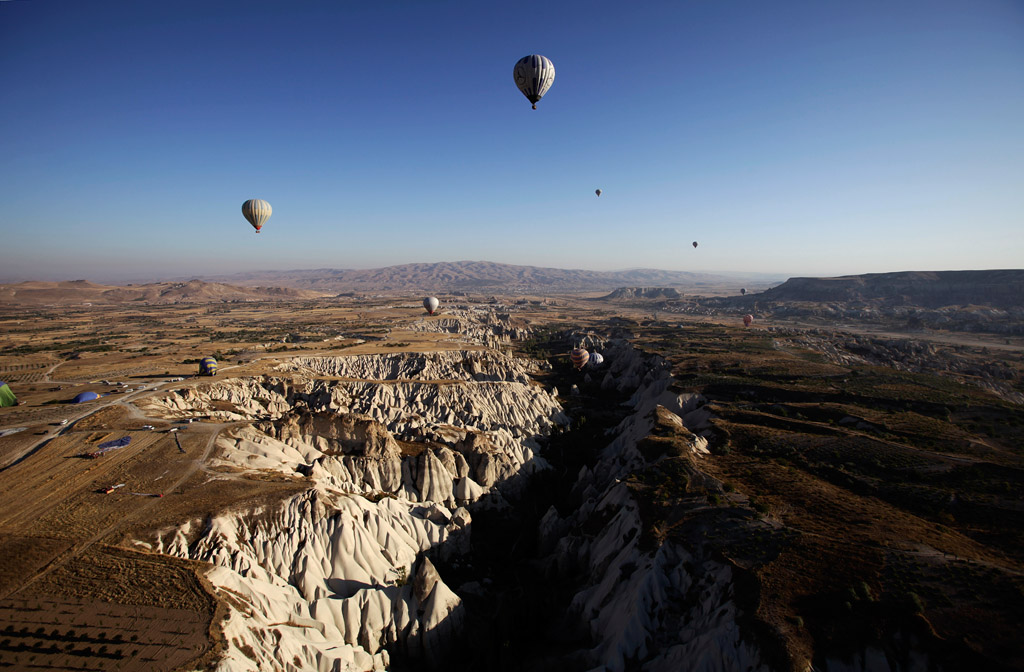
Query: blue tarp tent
column 85, row 396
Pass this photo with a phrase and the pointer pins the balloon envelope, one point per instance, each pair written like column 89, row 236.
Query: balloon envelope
column 596, row 359
column 579, row 357
column 208, row 366
column 695, row 244
column 430, row 303
column 598, row 192
column 743, row 290
column 257, row 212
column 747, row 319
column 534, row 75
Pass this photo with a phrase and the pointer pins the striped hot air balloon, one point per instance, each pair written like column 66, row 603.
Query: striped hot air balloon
column 534, row 75
column 579, row 357
column 257, row 211
column 430, row 303
column 208, row 366
column 596, row 360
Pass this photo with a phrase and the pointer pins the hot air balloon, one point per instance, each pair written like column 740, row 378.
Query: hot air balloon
column 695, row 244
column 208, row 366
column 430, row 303
column 257, row 211
column 747, row 319
column 743, row 290
column 579, row 357
column 596, row 360
column 534, row 75
column 598, row 192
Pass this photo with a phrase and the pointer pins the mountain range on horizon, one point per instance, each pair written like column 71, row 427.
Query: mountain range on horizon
column 996, row 288
column 483, row 276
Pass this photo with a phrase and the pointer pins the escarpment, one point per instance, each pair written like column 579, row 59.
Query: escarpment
column 341, row 577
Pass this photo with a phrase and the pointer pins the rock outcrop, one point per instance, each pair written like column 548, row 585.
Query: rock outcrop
column 643, row 293
column 321, row 582
column 473, row 365
column 330, row 578
column 664, row 607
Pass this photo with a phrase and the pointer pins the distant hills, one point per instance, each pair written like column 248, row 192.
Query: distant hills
column 643, row 293
column 78, row 292
column 926, row 289
column 481, row 276
column 1001, row 289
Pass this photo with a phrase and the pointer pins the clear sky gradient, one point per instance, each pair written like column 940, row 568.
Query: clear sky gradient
column 799, row 138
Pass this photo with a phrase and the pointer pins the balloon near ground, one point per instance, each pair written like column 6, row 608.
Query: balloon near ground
column 7, row 397
column 257, row 212
column 579, row 357
column 743, row 291
column 208, row 366
column 747, row 319
column 430, row 303
column 534, row 75
column 84, row 397
column 596, row 360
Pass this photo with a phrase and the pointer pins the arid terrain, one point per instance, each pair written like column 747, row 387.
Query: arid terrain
column 363, row 486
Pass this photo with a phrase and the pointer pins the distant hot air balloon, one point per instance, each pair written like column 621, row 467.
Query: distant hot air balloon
column 596, row 360
column 208, row 366
column 579, row 357
column 743, row 290
column 257, row 211
column 534, row 75
column 695, row 244
column 598, row 192
column 747, row 319
column 430, row 303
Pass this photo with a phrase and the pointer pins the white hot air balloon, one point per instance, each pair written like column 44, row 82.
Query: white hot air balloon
column 430, row 303
column 257, row 211
column 534, row 75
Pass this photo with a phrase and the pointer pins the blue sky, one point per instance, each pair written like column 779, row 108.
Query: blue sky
column 798, row 138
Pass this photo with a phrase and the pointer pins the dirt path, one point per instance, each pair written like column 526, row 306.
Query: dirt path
column 54, row 432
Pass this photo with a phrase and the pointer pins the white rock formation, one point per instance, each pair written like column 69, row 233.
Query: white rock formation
column 662, row 609
column 329, row 578
column 320, row 580
column 476, row 365
column 488, row 327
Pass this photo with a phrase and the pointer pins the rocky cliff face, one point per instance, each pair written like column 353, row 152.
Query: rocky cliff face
column 969, row 301
column 454, row 365
column 490, row 328
column 321, row 582
column 328, row 579
column 997, row 288
column 652, row 606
